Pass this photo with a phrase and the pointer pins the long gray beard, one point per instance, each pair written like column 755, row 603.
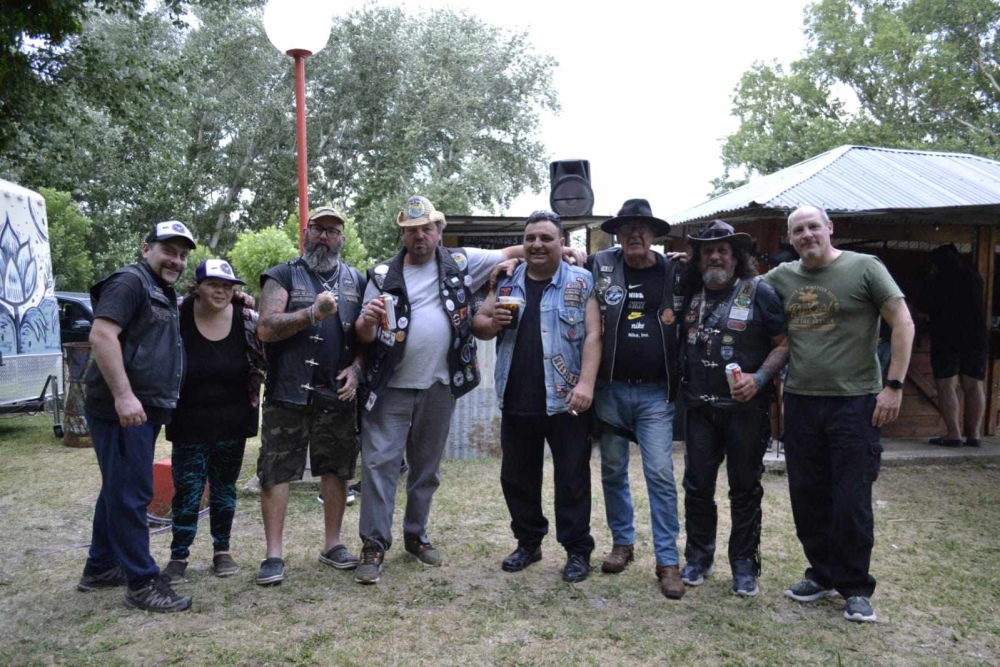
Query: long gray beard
column 715, row 278
column 321, row 259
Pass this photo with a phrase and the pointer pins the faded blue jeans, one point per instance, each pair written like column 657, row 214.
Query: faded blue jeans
column 644, row 410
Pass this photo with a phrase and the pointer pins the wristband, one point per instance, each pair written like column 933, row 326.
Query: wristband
column 312, row 316
column 760, row 379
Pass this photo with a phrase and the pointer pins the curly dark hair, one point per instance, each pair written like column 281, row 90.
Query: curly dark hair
column 746, row 266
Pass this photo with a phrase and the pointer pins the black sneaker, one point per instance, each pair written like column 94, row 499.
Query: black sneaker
column 370, row 567
column 422, row 549
column 157, row 596
column 108, row 579
column 174, row 572
column 272, row 572
column 808, row 590
column 859, row 609
column 694, row 574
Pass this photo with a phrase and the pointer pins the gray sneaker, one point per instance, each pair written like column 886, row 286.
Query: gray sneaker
column 370, row 567
column 859, row 609
column 694, row 574
column 174, row 572
column 422, row 549
column 108, row 579
column 808, row 590
column 223, row 565
column 157, row 596
column 339, row 557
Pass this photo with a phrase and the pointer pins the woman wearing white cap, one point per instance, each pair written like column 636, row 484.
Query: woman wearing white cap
column 216, row 413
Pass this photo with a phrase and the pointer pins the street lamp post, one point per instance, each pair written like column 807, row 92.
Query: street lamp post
column 299, row 28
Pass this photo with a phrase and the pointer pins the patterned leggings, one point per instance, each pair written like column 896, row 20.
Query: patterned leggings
column 193, row 463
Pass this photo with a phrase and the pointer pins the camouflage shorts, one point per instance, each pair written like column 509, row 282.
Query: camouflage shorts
column 286, row 433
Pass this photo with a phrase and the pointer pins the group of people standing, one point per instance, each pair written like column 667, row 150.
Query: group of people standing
column 604, row 347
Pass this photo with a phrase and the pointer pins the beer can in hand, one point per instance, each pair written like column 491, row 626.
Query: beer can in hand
column 389, row 319
column 733, row 373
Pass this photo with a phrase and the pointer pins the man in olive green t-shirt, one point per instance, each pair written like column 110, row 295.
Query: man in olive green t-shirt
column 835, row 404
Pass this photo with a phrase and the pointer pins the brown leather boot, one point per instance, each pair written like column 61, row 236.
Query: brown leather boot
column 670, row 581
column 620, row 556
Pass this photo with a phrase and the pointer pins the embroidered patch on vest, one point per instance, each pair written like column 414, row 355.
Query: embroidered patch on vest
column 560, row 365
column 614, row 295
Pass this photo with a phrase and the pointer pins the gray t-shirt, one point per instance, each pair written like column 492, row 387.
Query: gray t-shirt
column 429, row 334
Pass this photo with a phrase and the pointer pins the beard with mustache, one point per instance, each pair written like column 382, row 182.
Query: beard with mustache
column 716, row 277
column 321, row 258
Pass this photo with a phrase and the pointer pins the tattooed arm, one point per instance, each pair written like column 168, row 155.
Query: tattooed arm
column 275, row 324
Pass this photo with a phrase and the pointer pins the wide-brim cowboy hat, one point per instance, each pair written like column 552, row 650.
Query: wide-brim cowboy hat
column 632, row 211
column 717, row 230
column 419, row 211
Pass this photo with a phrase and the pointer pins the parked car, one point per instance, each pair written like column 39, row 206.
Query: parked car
column 76, row 316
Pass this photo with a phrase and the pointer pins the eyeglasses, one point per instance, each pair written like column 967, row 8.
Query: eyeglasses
column 630, row 228
column 320, row 230
column 543, row 215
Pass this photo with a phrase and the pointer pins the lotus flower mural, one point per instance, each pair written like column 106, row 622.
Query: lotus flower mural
column 25, row 327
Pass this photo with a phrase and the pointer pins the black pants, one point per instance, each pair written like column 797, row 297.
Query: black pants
column 832, row 455
column 740, row 436
column 522, row 440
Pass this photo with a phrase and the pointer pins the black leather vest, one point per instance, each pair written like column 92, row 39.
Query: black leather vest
column 151, row 345
column 732, row 333
column 293, row 362
column 609, row 282
column 389, row 347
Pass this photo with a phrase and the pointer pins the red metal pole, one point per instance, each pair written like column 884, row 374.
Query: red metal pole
column 300, row 136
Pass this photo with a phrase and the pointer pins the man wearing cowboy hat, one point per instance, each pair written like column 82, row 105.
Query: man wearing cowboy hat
column 730, row 317
column 132, row 389
column 422, row 358
column 307, row 312
column 637, row 383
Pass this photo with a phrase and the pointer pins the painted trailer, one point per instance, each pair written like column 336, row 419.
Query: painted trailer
column 30, row 354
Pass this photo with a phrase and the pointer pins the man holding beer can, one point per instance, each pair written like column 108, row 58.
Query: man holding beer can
column 735, row 343
column 549, row 329
column 418, row 318
column 836, row 404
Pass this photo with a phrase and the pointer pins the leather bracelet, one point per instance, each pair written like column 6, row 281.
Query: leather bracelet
column 312, row 316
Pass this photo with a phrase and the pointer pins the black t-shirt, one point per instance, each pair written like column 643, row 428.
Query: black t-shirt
column 639, row 354
column 215, row 400
column 330, row 329
column 121, row 298
column 525, row 392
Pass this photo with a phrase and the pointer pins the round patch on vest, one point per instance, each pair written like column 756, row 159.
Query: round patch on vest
column 450, row 305
column 469, row 375
column 400, row 336
column 460, row 295
column 727, row 352
column 381, row 269
column 401, row 322
column 460, row 260
column 468, row 281
column 667, row 316
column 614, row 295
column 466, row 354
column 458, row 380
column 727, row 339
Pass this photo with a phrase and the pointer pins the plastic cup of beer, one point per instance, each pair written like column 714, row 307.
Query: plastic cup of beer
column 512, row 304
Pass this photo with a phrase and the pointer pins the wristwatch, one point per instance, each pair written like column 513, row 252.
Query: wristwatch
column 894, row 384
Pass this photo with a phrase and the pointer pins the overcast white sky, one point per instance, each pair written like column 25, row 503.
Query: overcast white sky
column 645, row 87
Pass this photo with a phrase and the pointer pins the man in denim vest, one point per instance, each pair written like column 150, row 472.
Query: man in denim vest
column 307, row 312
column 132, row 388
column 637, row 384
column 558, row 329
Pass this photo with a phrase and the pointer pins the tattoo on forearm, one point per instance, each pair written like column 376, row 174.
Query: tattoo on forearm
column 273, row 318
column 773, row 364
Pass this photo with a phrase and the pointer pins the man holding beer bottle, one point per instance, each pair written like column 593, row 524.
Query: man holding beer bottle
column 734, row 345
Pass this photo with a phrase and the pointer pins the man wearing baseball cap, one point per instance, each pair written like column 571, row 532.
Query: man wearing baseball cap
column 132, row 387
column 307, row 312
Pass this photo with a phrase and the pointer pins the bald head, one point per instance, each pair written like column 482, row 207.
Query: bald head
column 808, row 211
column 809, row 231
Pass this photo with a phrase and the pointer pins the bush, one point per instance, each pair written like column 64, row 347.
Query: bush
column 256, row 252
column 69, row 231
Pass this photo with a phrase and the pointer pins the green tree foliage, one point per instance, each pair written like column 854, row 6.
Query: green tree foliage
column 69, row 231
column 256, row 252
column 155, row 121
column 917, row 74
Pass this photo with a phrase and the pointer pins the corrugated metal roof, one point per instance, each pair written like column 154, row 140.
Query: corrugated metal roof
column 862, row 178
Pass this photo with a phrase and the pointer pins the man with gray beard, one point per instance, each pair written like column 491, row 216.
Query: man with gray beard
column 307, row 311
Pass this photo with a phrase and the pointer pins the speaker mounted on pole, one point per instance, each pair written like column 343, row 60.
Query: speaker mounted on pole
column 571, row 194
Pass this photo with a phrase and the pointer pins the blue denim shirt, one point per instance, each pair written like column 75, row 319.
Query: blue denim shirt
column 562, row 318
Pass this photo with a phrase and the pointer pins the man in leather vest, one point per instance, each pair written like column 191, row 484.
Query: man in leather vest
column 419, row 362
column 307, row 312
column 557, row 331
column 731, row 317
column 132, row 388
column 637, row 384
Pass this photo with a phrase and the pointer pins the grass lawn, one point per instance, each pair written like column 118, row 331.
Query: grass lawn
column 937, row 558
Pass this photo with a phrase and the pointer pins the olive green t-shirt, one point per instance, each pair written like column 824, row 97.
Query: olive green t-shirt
column 833, row 321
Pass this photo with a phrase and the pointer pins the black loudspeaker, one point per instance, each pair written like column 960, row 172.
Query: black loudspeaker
column 571, row 193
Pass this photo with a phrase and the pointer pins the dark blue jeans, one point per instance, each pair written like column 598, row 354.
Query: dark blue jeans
column 191, row 465
column 120, row 533
column 833, row 455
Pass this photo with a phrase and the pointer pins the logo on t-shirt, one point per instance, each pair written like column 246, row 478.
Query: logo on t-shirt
column 812, row 308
